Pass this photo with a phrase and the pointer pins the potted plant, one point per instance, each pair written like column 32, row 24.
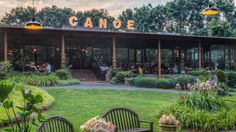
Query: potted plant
column 97, row 125
column 168, row 123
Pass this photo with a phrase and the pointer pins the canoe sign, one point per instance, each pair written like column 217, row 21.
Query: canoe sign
column 117, row 23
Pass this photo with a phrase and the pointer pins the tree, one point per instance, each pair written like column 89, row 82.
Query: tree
column 54, row 16
column 18, row 16
column 220, row 28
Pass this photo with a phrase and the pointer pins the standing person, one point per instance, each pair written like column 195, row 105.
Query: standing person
column 49, row 68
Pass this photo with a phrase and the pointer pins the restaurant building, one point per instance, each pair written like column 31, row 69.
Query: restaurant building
column 90, row 49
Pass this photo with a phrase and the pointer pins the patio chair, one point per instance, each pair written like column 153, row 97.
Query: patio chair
column 56, row 124
column 126, row 120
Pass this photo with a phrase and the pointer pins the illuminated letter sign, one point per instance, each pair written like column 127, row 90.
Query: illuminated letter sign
column 102, row 23
column 73, row 21
column 88, row 23
column 130, row 25
column 117, row 23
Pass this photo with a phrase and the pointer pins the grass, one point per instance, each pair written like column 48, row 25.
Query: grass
column 78, row 105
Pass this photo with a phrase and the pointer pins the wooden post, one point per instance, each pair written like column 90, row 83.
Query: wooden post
column 5, row 43
column 199, row 55
column 113, row 52
column 159, row 58
column 63, row 55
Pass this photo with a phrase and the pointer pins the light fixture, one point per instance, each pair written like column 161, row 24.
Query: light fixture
column 33, row 24
column 210, row 11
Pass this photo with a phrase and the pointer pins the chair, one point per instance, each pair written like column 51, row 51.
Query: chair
column 126, row 120
column 56, row 124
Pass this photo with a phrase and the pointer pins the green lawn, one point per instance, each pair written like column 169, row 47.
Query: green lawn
column 78, row 105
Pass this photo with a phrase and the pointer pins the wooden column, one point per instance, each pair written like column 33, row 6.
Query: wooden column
column 159, row 58
column 63, row 54
column 113, row 52
column 199, row 55
column 5, row 43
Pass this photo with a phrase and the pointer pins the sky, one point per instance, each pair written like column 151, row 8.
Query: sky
column 115, row 7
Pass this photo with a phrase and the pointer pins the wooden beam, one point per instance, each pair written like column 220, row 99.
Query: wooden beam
column 199, row 55
column 63, row 54
column 113, row 52
column 5, row 45
column 159, row 58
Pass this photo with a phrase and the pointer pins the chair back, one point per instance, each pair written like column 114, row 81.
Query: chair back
column 56, row 124
column 122, row 118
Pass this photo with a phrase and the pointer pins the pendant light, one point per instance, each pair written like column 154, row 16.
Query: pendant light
column 210, row 11
column 33, row 24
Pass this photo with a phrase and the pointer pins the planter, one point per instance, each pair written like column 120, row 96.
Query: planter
column 128, row 81
column 167, row 128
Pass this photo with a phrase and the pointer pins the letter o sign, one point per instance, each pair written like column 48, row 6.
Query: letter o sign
column 117, row 23
column 73, row 21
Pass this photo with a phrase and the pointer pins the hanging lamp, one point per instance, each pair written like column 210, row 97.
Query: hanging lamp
column 210, row 11
column 33, row 24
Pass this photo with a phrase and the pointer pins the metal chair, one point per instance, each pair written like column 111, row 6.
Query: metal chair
column 56, row 124
column 126, row 120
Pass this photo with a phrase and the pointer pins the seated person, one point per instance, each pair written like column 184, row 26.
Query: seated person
column 175, row 70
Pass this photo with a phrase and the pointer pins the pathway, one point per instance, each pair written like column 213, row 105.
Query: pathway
column 110, row 86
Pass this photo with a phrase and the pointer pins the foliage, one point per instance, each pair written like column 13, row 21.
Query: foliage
column 198, row 72
column 221, row 76
column 5, row 69
column 120, row 77
column 185, row 79
column 175, row 16
column 44, row 79
column 21, row 114
column 63, row 73
column 98, row 124
column 204, row 96
column 69, row 82
column 231, row 79
column 198, row 119
column 35, row 79
column 16, row 97
column 168, row 120
column 220, row 28
column 152, row 82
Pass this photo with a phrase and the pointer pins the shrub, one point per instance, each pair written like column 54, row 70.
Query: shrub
column 231, row 79
column 35, row 79
column 63, row 73
column 152, row 82
column 148, row 82
column 221, row 76
column 120, row 77
column 209, row 102
column 185, row 79
column 165, row 83
column 69, row 82
column 197, row 119
column 5, row 69
column 197, row 72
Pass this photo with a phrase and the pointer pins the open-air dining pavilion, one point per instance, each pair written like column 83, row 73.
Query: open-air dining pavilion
column 88, row 48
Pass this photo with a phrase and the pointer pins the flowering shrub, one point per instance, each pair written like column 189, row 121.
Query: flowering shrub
column 204, row 96
column 97, row 125
column 169, row 120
